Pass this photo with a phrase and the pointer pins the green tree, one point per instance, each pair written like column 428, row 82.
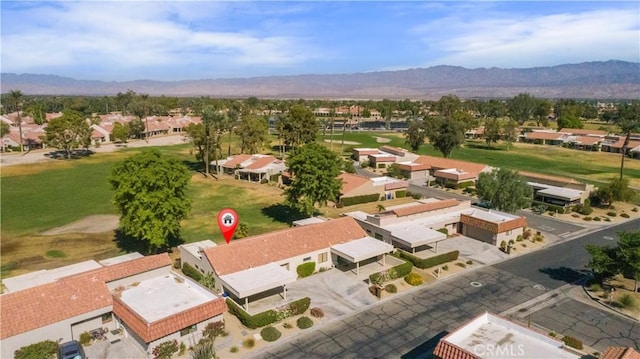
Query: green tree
column 150, row 195
column 602, row 263
column 213, row 121
column 628, row 119
column 300, row 126
column 314, row 169
column 541, row 112
column 569, row 121
column 16, row 100
column 415, row 135
column 253, row 132
column 522, row 107
column 492, row 131
column 195, row 131
column 68, row 132
column 617, row 190
column 4, row 129
column 120, row 132
column 510, row 132
column 504, row 190
column 628, row 255
column 136, row 127
column 448, row 135
column 447, row 106
column 39, row 350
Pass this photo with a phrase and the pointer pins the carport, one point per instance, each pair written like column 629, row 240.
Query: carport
column 413, row 235
column 257, row 280
column 361, row 249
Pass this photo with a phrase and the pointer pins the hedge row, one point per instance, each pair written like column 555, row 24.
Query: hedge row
column 269, row 316
column 350, row 201
column 428, row 262
column 306, row 269
column 398, row 271
column 401, row 193
column 191, row 272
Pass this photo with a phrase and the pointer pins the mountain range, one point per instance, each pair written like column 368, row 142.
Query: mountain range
column 590, row 80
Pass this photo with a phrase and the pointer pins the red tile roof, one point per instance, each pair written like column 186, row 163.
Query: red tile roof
column 588, row 140
column 544, row 135
column 424, row 207
column 413, row 166
column 261, row 162
column 582, row 131
column 396, row 185
column 236, row 160
column 170, row 324
column 446, row 350
column 394, row 150
column 36, row 307
column 270, row 247
column 620, row 353
column 439, row 163
column 540, row 176
column 351, row 182
column 378, row 158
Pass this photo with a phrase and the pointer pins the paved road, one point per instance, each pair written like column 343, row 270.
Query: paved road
column 406, row 326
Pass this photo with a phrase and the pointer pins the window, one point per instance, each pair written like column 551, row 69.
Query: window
column 322, row 257
column 107, row 317
column 285, row 266
column 306, row 259
column 188, row 330
column 377, row 236
column 368, row 231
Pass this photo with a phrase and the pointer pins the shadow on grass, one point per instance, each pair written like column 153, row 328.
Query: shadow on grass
column 482, row 146
column 131, row 244
column 74, row 154
column 564, row 274
column 283, row 213
column 425, row 350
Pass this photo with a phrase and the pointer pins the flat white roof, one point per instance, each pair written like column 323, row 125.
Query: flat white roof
column 257, row 280
column 35, row 279
column 361, row 215
column 563, row 193
column 381, row 181
column 361, row 249
column 310, row 220
column 414, row 233
column 165, row 295
column 120, row 259
column 508, row 338
column 194, row 247
column 490, row 215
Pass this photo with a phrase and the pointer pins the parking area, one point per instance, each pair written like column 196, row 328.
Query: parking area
column 126, row 348
column 472, row 249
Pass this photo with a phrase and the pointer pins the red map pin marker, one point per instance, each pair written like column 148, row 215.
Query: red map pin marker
column 227, row 221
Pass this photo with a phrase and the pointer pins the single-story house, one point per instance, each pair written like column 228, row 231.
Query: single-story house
column 354, row 185
column 545, row 138
column 615, row 145
column 191, row 253
column 361, row 154
column 260, row 266
column 450, row 172
column 412, row 170
column 490, row 336
column 253, row 168
column 58, row 307
column 556, row 190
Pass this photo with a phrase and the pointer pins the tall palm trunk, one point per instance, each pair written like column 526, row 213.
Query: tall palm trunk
column 624, row 152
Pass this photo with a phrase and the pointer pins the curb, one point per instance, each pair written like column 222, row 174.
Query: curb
column 606, row 306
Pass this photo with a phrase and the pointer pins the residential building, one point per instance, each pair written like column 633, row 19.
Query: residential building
column 620, row 353
column 385, row 187
column 489, row 336
column 450, row 172
column 252, row 168
column 139, row 295
column 556, row 190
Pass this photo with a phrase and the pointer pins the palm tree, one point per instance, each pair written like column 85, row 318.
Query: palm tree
column 144, row 98
column 629, row 122
column 380, row 208
column 16, row 98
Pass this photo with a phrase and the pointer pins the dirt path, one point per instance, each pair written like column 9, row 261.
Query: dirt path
column 90, row 224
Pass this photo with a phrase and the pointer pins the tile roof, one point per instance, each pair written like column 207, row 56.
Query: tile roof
column 236, row 160
column 545, row 135
column 396, row 185
column 446, row 350
column 533, row 175
column 587, row 140
column 261, row 162
column 170, row 324
column 620, row 143
column 394, row 150
column 36, row 307
column 620, row 353
column 270, row 247
column 424, row 207
column 444, row 163
column 413, row 166
column 582, row 131
column 493, row 227
column 351, row 182
column 382, row 158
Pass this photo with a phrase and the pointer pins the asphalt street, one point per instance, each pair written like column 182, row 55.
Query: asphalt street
column 407, row 326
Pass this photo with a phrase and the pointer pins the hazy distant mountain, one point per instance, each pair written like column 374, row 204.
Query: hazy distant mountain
column 610, row 79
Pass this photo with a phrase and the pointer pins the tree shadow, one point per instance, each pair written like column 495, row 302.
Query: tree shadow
column 195, row 166
column 283, row 213
column 425, row 350
column 564, row 274
column 75, row 154
column 131, row 244
column 482, row 146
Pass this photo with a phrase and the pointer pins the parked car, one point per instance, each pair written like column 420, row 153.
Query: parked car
column 71, row 350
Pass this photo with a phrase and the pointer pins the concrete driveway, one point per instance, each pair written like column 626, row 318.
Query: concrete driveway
column 126, row 348
column 470, row 248
column 336, row 292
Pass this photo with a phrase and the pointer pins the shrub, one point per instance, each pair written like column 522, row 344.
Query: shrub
column 461, row 265
column 304, row 322
column 635, row 209
column 444, row 231
column 287, row 325
column 597, row 219
column 306, row 269
column 234, row 349
column 270, row 334
column 416, row 195
column 317, row 312
column 503, row 245
column 587, row 218
column 511, row 242
column 445, row 267
column 519, row 238
column 627, row 301
column 165, row 350
column 624, row 215
column 553, row 334
column 526, row 234
column 607, row 219
column 85, row 338
column 205, row 349
column 469, row 262
column 249, row 343
column 44, row 349
column 398, row 271
column 191, row 272
column 538, row 238
column 423, row 263
column 413, row 279
column 183, row 348
column 572, row 342
column 401, row 193
column 611, row 214
column 595, row 287
column 269, row 316
column 296, row 307
column 349, row 201
column 391, row 288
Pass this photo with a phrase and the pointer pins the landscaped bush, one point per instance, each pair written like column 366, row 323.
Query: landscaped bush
column 595, row 287
column 234, row 349
column 85, row 338
column 624, row 215
column 350, row 201
column 428, row 262
column 555, row 209
column 398, row 271
column 572, row 342
column 445, row 267
column 519, row 238
column 607, row 219
column 584, row 208
column 461, row 265
column 191, row 272
column 249, row 343
column 611, row 214
column 391, row 288
column 269, row 316
column 270, row 334
column 183, row 348
column 287, row 325
column 401, row 193
column 526, row 234
column 627, row 301
column 413, row 279
column 469, row 262
column 635, row 209
column 165, row 350
column 317, row 312
column 306, row 269
column 39, row 350
column 597, row 219
column 304, row 322
column 587, row 218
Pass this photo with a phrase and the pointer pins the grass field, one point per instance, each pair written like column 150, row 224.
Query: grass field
column 37, row 197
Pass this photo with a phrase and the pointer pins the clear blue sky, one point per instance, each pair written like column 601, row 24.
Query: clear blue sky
column 175, row 40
